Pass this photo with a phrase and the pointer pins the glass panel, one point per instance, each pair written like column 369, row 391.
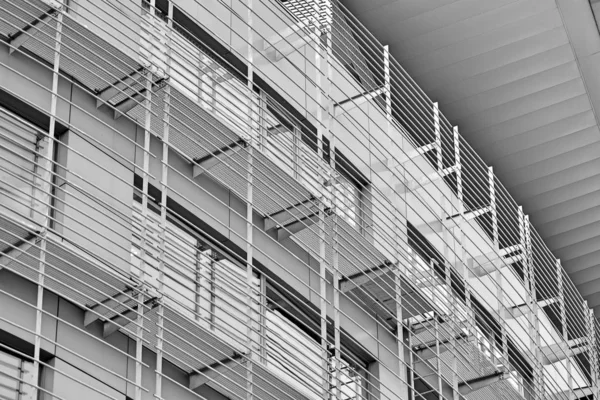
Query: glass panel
column 195, row 284
column 350, row 381
column 15, row 378
column 231, row 301
column 180, row 260
column 184, row 66
column 292, row 353
column 232, row 105
column 346, row 200
column 153, row 44
column 279, row 149
column 17, row 163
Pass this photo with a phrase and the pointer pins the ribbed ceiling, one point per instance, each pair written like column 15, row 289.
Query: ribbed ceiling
column 521, row 79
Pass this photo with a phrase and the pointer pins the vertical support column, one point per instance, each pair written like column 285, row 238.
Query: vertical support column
column 336, row 380
column 262, row 120
column 336, row 308
column 198, row 284
column 438, row 360
column 592, row 349
column 388, row 89
column 531, row 301
column 400, row 331
column 263, row 319
column 564, row 331
column 502, row 314
column 323, row 125
column 318, row 84
column 337, row 384
column 46, row 212
column 139, row 348
column 438, row 136
column 250, row 211
column 323, row 302
column 213, row 290
column 454, row 329
column 402, row 253
column 164, row 188
column 297, row 156
column 459, row 180
column 493, row 208
column 411, row 361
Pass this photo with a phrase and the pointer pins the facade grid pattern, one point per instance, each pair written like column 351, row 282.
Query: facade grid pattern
column 250, row 199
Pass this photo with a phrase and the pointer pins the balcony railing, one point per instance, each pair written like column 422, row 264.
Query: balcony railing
column 296, row 109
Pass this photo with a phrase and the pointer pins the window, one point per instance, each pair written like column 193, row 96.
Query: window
column 153, row 41
column 292, row 354
column 193, row 73
column 18, row 144
column 16, row 377
column 350, row 381
column 197, row 283
column 231, row 103
column 346, row 200
column 516, row 381
column 231, row 301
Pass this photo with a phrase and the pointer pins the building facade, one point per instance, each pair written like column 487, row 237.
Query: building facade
column 250, row 199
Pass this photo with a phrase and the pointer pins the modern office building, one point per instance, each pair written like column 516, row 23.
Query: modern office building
column 251, row 199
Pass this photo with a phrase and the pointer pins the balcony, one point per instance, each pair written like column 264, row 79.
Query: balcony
column 343, row 175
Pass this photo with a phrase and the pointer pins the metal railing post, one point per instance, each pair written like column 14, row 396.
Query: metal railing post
column 592, row 349
column 438, row 136
column 493, row 208
column 46, row 212
column 164, row 188
column 250, row 210
column 139, row 349
column 562, row 309
column 452, row 316
column 532, row 307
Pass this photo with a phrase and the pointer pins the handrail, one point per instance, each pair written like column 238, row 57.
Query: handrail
column 409, row 112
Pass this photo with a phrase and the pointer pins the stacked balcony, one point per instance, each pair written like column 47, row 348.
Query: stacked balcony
column 403, row 222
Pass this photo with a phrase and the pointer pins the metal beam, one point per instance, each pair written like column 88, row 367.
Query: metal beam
column 110, row 304
column 423, row 182
column 297, row 226
column 427, row 351
column 523, row 309
column 353, row 281
column 559, row 351
column 216, row 71
column 119, row 86
column 16, row 250
column 207, row 374
column 486, row 263
column 475, row 384
column 277, row 129
column 427, row 325
column 355, row 101
column 116, row 323
column 426, row 374
column 290, row 39
column 583, row 392
column 488, row 267
column 23, row 35
column 388, row 165
column 297, row 211
column 470, row 215
column 205, row 163
column 439, row 226
column 136, row 99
